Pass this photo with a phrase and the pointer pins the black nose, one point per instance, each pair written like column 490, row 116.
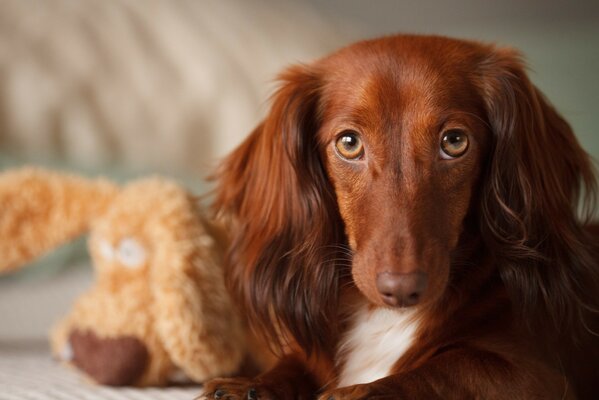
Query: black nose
column 401, row 290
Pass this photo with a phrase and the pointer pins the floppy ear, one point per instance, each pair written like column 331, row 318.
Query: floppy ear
column 194, row 317
column 537, row 177
column 285, row 218
column 40, row 210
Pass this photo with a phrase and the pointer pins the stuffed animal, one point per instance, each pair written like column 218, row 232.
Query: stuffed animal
column 159, row 305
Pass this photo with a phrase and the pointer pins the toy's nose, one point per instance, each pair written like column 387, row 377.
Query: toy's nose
column 118, row 361
column 401, row 290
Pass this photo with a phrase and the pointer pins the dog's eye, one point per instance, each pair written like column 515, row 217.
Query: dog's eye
column 454, row 143
column 349, row 145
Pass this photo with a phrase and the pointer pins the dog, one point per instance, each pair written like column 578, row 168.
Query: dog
column 407, row 224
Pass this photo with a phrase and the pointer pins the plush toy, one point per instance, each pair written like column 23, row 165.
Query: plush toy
column 158, row 307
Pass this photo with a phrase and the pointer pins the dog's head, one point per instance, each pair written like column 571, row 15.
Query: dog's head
column 379, row 160
column 403, row 138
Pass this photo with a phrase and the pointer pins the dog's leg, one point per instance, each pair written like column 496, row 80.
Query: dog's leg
column 288, row 380
column 462, row 374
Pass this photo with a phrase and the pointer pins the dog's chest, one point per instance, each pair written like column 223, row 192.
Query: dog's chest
column 375, row 341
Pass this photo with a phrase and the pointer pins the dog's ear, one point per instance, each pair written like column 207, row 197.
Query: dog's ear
column 537, row 178
column 279, row 162
column 284, row 213
column 537, row 168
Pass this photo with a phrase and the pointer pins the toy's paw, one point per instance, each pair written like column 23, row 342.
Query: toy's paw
column 356, row 392
column 116, row 361
column 237, row 389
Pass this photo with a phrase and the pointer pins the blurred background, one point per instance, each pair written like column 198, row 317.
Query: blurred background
column 129, row 88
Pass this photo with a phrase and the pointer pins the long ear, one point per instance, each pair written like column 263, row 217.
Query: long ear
column 285, row 218
column 40, row 210
column 194, row 317
column 538, row 176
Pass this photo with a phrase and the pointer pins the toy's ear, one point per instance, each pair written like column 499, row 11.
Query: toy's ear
column 194, row 317
column 41, row 209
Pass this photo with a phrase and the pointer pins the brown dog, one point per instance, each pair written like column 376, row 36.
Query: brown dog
column 406, row 227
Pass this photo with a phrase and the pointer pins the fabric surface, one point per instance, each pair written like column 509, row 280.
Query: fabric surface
column 28, row 372
column 152, row 85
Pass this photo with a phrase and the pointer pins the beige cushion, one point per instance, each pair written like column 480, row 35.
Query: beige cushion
column 153, row 84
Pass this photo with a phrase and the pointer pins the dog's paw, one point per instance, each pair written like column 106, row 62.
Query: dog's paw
column 236, row 389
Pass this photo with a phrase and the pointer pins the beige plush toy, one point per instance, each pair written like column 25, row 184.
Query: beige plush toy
column 158, row 306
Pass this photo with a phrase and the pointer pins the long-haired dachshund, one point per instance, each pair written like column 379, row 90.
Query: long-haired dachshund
column 407, row 225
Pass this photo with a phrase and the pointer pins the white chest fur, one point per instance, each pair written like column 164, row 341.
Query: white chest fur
column 376, row 340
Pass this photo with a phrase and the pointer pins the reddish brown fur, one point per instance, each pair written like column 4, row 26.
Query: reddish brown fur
column 511, row 304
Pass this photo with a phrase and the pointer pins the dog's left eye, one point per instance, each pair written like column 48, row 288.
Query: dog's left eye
column 349, row 145
column 454, row 143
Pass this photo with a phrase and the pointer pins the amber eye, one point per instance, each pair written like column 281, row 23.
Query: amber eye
column 349, row 145
column 454, row 143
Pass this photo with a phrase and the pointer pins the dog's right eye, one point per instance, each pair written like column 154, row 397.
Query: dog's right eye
column 349, row 145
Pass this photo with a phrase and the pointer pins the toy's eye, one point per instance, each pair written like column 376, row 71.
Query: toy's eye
column 106, row 250
column 131, row 253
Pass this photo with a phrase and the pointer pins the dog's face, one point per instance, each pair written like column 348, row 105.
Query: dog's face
column 404, row 136
column 422, row 153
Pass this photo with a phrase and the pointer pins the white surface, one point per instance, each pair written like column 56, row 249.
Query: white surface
column 27, row 372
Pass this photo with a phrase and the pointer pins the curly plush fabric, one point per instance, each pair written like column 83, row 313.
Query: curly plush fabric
column 159, row 305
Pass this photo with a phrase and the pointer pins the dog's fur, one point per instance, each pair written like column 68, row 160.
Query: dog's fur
column 510, row 307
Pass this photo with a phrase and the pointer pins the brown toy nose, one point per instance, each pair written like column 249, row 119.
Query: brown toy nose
column 401, row 290
column 118, row 361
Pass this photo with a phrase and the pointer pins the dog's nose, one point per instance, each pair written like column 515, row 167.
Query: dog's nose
column 117, row 361
column 401, row 290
